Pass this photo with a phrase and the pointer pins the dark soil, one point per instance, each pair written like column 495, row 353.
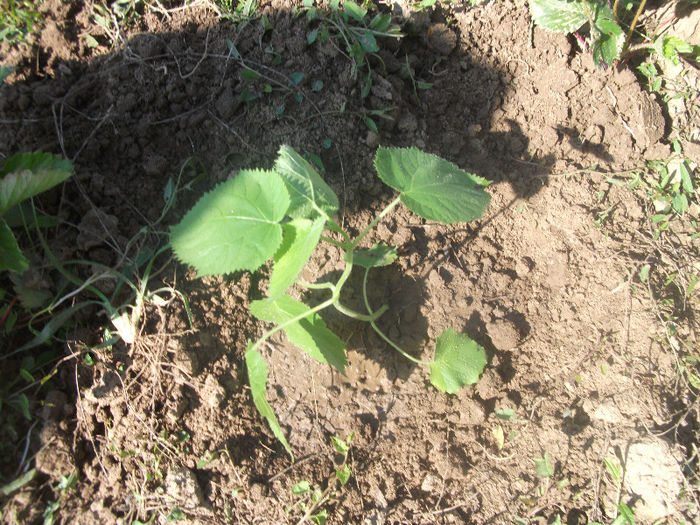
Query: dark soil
column 575, row 347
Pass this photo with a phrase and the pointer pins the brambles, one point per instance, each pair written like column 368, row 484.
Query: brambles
column 282, row 213
column 610, row 30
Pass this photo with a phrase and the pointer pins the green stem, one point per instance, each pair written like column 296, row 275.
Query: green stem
column 317, row 286
column 376, row 220
column 381, row 334
column 357, row 315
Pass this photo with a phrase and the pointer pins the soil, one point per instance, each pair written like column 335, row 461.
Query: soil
column 164, row 427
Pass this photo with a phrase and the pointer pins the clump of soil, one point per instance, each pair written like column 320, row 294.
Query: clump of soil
column 165, row 426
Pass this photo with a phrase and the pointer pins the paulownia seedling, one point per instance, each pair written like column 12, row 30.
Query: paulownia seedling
column 282, row 214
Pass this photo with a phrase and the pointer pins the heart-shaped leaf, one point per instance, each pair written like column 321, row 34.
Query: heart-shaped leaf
column 236, row 226
column 431, row 186
column 458, row 361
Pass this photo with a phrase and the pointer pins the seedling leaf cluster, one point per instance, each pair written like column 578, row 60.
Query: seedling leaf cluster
column 281, row 214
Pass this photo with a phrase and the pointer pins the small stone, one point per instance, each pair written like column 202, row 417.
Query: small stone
column 504, row 334
column 226, row 104
column 372, row 139
column 430, row 483
column 653, row 473
column 608, row 413
column 441, row 39
column 182, row 485
column 213, row 393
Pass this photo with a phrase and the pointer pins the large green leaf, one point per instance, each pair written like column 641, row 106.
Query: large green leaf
column 431, row 186
column 458, row 361
column 27, row 174
column 309, row 194
column 300, row 238
column 559, row 15
column 11, row 257
column 236, row 226
column 310, row 334
column 257, row 377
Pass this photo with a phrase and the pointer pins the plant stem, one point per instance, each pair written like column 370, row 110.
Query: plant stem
column 357, row 315
column 376, row 220
column 381, row 334
column 317, row 286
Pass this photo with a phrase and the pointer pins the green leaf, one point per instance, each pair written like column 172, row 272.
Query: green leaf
column 249, row 75
column 559, row 15
column 309, row 194
column 311, row 36
column 343, row 474
column 18, row 483
column 236, row 226
column 686, row 181
column 644, row 273
column 543, row 467
column 367, row 41
column 27, row 174
column 608, row 38
column 370, row 123
column 300, row 239
column 626, row 513
column 257, row 377
column 354, row 10
column 679, row 202
column 301, row 488
column 380, row 22
column 378, row 255
column 5, row 72
column 320, row 518
column 310, row 334
column 296, row 78
column 506, row 414
column 340, row 446
column 458, row 361
column 431, row 186
column 11, row 257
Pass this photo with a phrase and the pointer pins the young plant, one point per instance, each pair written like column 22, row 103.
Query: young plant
column 606, row 37
column 282, row 213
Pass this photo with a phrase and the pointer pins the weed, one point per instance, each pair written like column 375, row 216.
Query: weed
column 311, row 500
column 18, row 19
column 282, row 213
column 606, row 25
column 349, row 27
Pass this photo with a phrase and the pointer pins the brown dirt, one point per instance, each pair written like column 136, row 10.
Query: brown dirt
column 574, row 344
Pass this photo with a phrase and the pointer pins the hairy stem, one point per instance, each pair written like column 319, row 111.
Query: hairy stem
column 379, row 332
